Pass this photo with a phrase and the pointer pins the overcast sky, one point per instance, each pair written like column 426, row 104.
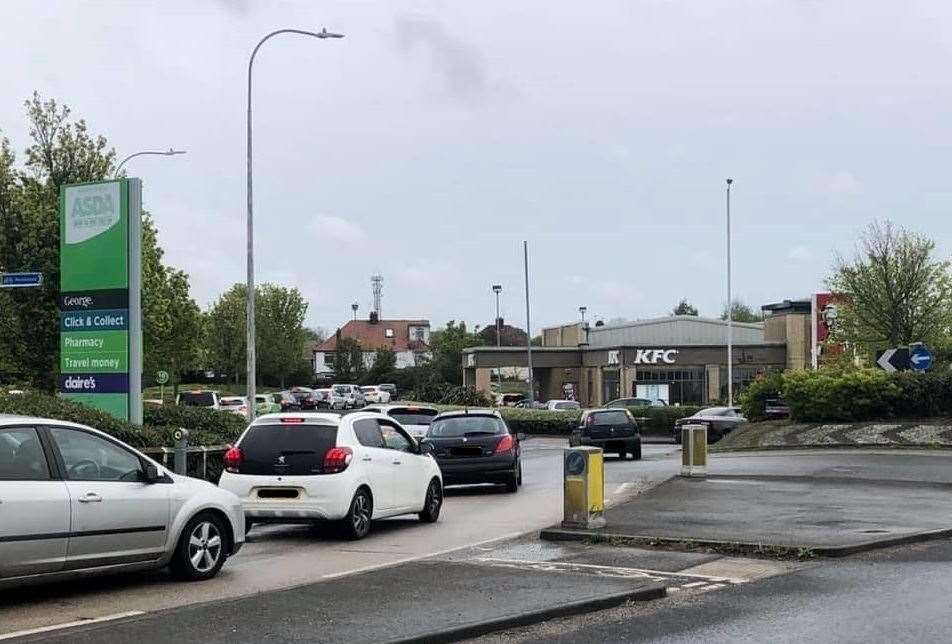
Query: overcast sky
column 436, row 136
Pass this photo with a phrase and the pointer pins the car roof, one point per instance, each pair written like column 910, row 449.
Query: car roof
column 308, row 418
column 561, row 400
column 392, row 406
column 468, row 412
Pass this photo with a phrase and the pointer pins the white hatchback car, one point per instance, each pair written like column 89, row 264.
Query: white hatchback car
column 75, row 501
column 302, row 468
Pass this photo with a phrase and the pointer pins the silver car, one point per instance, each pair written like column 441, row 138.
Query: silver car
column 74, row 501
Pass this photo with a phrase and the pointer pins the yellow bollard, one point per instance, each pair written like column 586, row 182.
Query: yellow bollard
column 693, row 450
column 584, row 488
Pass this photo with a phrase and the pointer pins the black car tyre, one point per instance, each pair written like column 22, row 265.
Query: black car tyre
column 202, row 548
column 356, row 524
column 637, row 452
column 519, row 481
column 433, row 503
column 512, row 485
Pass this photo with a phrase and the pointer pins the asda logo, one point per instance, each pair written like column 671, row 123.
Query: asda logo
column 90, row 210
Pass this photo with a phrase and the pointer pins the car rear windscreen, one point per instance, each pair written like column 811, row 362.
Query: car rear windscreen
column 414, row 416
column 610, row 418
column 197, row 399
column 286, row 448
column 231, row 403
column 457, row 426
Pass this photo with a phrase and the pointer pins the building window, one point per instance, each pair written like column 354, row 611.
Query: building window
column 742, row 377
column 329, row 359
column 683, row 386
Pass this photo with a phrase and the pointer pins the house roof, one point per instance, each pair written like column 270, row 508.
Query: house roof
column 373, row 336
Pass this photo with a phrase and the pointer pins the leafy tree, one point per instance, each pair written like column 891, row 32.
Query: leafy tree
column 384, row 362
column 509, row 336
column 895, row 290
column 446, row 347
column 349, row 361
column 741, row 312
column 62, row 151
column 685, row 308
column 279, row 331
column 226, row 328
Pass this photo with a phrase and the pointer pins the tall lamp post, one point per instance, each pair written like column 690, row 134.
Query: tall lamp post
column 167, row 153
column 525, row 256
column 497, row 289
column 250, row 320
column 730, row 307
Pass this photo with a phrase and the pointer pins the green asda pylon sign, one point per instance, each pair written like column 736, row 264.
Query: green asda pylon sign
column 100, row 296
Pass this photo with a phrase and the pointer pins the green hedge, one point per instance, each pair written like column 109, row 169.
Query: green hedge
column 206, row 426
column 540, row 421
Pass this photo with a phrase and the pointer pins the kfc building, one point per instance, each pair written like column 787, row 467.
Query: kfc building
column 680, row 360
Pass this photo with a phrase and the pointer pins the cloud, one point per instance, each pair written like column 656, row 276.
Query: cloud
column 457, row 63
column 843, row 184
column 800, row 254
column 337, row 229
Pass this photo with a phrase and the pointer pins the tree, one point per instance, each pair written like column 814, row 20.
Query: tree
column 225, row 327
column 741, row 312
column 349, row 361
column 686, row 308
column 895, row 291
column 279, row 331
column 384, row 362
column 446, row 347
column 62, row 151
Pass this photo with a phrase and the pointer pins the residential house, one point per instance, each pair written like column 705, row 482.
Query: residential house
column 408, row 339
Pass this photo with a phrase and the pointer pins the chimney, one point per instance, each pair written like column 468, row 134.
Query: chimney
column 374, row 317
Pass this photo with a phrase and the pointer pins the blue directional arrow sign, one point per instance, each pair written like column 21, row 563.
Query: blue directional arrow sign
column 920, row 358
column 20, row 280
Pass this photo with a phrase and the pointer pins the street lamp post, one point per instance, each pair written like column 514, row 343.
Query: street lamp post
column 250, row 295
column 497, row 289
column 525, row 256
column 167, row 153
column 730, row 307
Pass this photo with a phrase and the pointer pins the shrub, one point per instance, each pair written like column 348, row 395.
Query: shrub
column 924, row 394
column 838, row 395
column 221, row 426
column 467, row 396
column 754, row 397
column 659, row 421
column 540, row 421
column 431, row 392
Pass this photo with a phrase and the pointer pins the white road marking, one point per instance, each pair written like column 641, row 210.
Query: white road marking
column 79, row 622
column 616, row 569
column 694, row 584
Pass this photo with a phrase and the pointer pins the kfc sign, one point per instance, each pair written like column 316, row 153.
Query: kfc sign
column 655, row 356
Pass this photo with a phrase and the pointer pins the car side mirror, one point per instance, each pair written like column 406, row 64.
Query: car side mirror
column 151, row 473
column 426, row 447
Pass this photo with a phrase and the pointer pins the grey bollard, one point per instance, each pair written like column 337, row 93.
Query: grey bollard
column 181, row 451
column 694, row 450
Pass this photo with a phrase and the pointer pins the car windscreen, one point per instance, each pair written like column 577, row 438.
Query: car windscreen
column 368, row 390
column 197, row 399
column 413, row 416
column 567, row 406
column 286, row 448
column 341, row 391
column 609, row 418
column 231, row 402
column 458, row 426
column 713, row 411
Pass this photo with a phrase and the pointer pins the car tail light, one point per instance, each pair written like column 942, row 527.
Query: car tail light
column 233, row 458
column 505, row 445
column 337, row 459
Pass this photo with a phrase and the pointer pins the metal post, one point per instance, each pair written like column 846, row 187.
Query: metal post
column 181, row 451
column 167, row 153
column 730, row 307
column 525, row 256
column 497, row 289
column 250, row 295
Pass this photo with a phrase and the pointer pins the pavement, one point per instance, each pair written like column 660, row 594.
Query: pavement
column 828, row 503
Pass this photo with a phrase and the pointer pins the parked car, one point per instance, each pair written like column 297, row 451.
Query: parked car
column 476, row 446
column 374, row 394
column 234, row 404
column 76, row 501
column 509, row 399
column 329, row 399
column 351, row 469
column 563, row 405
column 285, row 400
column 415, row 419
column 390, row 389
column 305, row 397
column 614, row 430
column 776, row 408
column 635, row 402
column 199, row 398
column 265, row 404
column 352, row 395
column 525, row 403
column 719, row 421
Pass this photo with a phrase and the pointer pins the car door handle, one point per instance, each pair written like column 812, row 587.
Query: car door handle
column 90, row 497
column 398, row 462
column 366, row 459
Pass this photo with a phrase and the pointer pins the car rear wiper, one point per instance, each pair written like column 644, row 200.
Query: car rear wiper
column 479, row 434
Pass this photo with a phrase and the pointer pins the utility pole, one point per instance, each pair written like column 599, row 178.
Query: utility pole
column 730, row 307
column 497, row 289
column 525, row 257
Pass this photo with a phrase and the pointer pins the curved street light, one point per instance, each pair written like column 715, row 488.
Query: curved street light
column 250, row 294
column 167, row 153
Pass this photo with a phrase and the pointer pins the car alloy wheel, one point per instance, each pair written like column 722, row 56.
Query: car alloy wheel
column 204, row 547
column 433, row 503
column 360, row 515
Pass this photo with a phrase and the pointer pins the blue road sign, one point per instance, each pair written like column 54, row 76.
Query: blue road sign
column 920, row 358
column 20, row 280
